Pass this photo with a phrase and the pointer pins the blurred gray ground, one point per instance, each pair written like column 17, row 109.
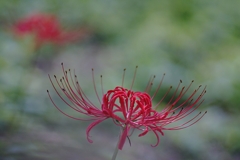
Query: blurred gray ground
column 191, row 39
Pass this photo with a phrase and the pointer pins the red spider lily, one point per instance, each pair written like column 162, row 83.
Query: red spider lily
column 129, row 109
column 46, row 28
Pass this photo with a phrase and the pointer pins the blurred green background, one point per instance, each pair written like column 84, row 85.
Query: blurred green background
column 188, row 39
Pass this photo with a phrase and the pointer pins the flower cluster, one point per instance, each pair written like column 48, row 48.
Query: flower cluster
column 130, row 109
column 46, row 28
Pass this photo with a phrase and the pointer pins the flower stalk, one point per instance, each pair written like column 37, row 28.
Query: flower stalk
column 117, row 146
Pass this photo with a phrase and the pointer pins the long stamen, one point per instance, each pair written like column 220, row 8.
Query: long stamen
column 94, row 85
column 134, row 76
column 101, row 77
column 163, row 97
column 186, row 124
column 64, row 112
column 123, row 76
column 80, row 101
column 176, row 92
column 60, row 94
column 158, row 86
column 189, row 86
column 149, row 84
column 82, row 95
column 189, row 99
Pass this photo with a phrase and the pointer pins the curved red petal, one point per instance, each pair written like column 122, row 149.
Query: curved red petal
column 89, row 128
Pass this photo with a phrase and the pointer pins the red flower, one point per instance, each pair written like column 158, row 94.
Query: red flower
column 130, row 109
column 46, row 28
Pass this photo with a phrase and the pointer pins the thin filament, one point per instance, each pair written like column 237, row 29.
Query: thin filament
column 94, row 85
column 124, row 71
column 134, row 76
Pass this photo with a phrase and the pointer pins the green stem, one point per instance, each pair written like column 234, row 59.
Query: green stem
column 115, row 153
column 116, row 148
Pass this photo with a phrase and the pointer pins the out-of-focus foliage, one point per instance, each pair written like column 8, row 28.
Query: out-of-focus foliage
column 190, row 39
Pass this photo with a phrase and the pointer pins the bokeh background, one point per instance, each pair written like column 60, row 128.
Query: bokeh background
column 188, row 39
